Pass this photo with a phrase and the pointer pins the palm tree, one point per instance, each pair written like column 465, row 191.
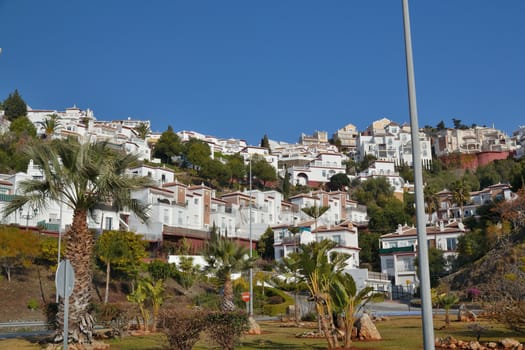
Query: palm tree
column 50, row 125
column 225, row 257
column 348, row 302
column 447, row 300
column 155, row 293
column 80, row 176
column 315, row 212
column 142, row 130
column 139, row 297
column 461, row 194
column 431, row 199
column 319, row 269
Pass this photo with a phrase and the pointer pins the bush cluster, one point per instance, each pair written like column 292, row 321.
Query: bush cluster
column 183, row 327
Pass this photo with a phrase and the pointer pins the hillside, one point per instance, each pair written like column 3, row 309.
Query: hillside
column 500, row 273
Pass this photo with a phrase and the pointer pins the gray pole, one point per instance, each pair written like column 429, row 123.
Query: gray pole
column 424, row 273
column 251, row 249
column 59, row 241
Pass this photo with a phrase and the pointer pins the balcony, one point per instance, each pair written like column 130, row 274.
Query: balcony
column 407, row 249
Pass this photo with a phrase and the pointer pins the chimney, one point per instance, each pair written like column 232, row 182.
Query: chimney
column 399, row 229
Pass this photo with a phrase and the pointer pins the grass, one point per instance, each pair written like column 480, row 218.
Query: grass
column 398, row 333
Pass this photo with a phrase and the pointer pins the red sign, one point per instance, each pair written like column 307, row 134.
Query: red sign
column 245, row 296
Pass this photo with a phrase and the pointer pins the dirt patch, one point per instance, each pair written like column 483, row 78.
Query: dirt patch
column 35, row 285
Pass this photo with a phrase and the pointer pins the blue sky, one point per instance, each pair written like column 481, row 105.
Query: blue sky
column 246, row 68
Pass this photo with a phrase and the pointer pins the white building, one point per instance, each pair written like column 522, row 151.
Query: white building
column 347, row 137
column 472, row 140
column 345, row 237
column 387, row 140
column 318, row 170
column 519, row 139
column 398, row 250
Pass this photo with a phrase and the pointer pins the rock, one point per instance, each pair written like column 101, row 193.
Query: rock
column 492, row 345
column 465, row 315
column 510, row 343
column 366, row 329
column 474, row 345
column 254, row 329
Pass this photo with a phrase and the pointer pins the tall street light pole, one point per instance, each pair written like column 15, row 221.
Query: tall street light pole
column 426, row 301
column 251, row 248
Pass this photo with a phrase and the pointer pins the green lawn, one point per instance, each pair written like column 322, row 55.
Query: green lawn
column 398, row 333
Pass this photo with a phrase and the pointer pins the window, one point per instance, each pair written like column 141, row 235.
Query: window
column 337, row 239
column 452, row 243
column 109, row 223
column 406, row 264
column 166, row 216
column 389, row 263
column 196, row 201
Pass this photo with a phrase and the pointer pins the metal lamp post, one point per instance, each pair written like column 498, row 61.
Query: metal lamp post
column 250, row 311
column 426, row 301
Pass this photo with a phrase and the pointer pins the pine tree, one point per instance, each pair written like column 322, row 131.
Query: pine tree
column 14, row 106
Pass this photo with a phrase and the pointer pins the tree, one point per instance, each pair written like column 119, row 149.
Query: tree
column 155, row 294
column 168, row 146
column 447, row 300
column 196, row 152
column 225, row 257
column 348, row 302
column 139, row 296
column 315, row 212
column 17, row 249
column 441, row 125
column 265, row 245
column 436, row 265
column 374, row 190
column 50, row 125
column 262, row 170
column 80, row 176
column 142, row 130
column 123, row 249
column 338, row 182
column 319, row 269
column 236, row 165
column 460, row 194
column 14, row 106
column 213, row 169
column 286, row 184
column 431, row 199
column 265, row 143
column 22, row 126
column 369, row 253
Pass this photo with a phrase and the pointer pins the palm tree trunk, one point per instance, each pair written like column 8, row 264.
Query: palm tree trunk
column 79, row 251
column 108, row 271
column 227, row 298
column 325, row 325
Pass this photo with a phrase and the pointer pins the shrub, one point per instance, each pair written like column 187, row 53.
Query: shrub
column 32, row 304
column 275, row 299
column 225, row 328
column 207, row 300
column 50, row 312
column 277, row 309
column 160, row 270
column 310, row 317
column 183, row 327
column 473, row 294
column 113, row 316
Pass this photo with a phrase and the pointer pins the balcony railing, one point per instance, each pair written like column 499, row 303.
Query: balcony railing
column 407, row 249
